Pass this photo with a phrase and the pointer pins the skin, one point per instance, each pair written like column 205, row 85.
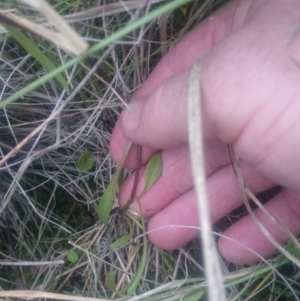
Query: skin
column 250, row 99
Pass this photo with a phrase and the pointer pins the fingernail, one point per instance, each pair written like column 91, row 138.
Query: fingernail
column 130, row 118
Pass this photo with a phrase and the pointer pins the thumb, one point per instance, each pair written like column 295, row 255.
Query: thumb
column 158, row 116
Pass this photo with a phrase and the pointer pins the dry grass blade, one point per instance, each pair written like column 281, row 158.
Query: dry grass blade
column 107, row 9
column 31, row 27
column 31, row 263
column 36, row 294
column 72, row 40
column 40, row 128
column 247, row 193
column 216, row 290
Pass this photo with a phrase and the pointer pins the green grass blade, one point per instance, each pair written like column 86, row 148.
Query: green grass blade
column 192, row 296
column 254, row 274
column 130, row 288
column 35, row 52
column 96, row 48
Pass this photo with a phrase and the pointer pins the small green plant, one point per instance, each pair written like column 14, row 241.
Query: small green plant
column 72, row 256
column 85, row 162
column 153, row 171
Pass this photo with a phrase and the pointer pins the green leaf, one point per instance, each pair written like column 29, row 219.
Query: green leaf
column 107, row 199
column 121, row 241
column 134, row 248
column 72, row 256
column 85, row 161
column 33, row 50
column 153, row 171
column 111, row 280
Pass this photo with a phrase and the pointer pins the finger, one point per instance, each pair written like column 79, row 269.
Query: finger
column 188, row 51
column 252, row 108
column 285, row 207
column 171, row 228
column 176, row 177
column 160, row 120
column 184, row 55
column 261, row 122
column 118, row 145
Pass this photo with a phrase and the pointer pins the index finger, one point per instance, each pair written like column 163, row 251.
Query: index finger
column 196, row 44
column 182, row 56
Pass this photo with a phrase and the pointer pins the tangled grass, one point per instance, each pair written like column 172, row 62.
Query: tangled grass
column 52, row 244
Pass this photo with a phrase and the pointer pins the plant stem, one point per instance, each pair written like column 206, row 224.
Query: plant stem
column 136, row 179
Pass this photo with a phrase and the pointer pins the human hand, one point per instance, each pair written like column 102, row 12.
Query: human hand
column 250, row 99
